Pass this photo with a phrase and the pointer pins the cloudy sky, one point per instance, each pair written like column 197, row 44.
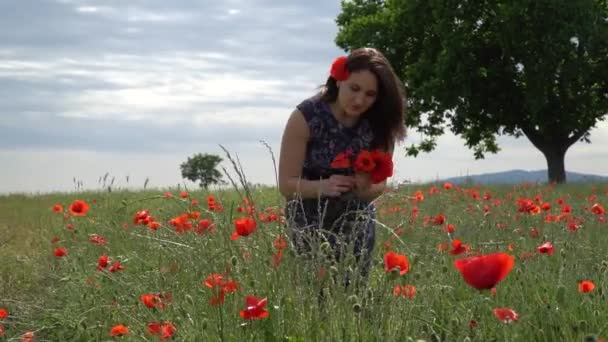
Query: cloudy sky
column 132, row 88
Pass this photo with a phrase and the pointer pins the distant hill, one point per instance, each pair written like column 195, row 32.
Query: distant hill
column 521, row 176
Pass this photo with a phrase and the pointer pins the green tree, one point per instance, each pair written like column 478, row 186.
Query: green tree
column 202, row 167
column 534, row 68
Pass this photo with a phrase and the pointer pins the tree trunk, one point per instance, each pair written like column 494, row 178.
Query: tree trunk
column 554, row 149
column 556, row 168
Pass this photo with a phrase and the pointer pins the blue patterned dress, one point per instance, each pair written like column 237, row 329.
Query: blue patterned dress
column 346, row 222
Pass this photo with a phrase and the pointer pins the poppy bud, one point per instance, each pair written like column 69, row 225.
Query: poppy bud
column 582, row 324
column 357, row 307
column 591, row 338
column 333, row 270
column 204, row 324
column 234, row 261
column 189, row 299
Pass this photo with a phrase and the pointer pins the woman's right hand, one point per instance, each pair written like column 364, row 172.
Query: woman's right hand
column 336, row 185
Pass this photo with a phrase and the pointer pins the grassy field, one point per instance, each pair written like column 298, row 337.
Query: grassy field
column 185, row 279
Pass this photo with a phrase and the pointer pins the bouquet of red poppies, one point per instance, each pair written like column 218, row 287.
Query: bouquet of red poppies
column 378, row 164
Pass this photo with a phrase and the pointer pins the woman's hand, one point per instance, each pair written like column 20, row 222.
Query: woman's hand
column 363, row 182
column 336, row 185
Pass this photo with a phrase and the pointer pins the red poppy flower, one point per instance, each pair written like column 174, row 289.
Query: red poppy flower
column 384, row 166
column 119, row 330
column 61, row 252
column 408, row 291
column 450, row 228
column 342, row 160
column 97, row 239
column 458, row 247
column 116, row 266
column 153, row 300
column 598, row 209
column 255, row 308
column 338, row 69
column 505, row 315
column 166, row 330
column 393, row 260
column 545, row 248
column 28, row 336
column 438, row 220
column 3, row 313
column 485, row 271
column 102, row 262
column 154, row 225
column 205, row 225
column 220, row 287
column 586, row 286
column 243, row 227
column 572, row 226
column 364, row 161
column 57, row 208
column 79, row 208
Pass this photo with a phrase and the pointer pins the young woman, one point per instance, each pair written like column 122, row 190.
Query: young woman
column 360, row 107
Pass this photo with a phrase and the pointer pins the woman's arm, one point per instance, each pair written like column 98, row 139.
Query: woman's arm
column 293, row 151
column 367, row 191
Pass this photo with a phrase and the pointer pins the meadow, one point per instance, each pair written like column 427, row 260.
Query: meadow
column 172, row 264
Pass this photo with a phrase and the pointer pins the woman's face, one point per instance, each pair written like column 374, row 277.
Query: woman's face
column 357, row 93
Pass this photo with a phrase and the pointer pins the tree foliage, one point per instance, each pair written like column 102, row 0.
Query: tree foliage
column 202, row 168
column 534, row 68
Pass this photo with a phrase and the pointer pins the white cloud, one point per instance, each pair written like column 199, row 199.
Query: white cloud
column 179, row 78
column 93, row 9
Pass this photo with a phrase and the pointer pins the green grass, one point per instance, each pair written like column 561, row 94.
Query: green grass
column 68, row 299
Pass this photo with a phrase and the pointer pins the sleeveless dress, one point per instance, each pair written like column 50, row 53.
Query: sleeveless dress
column 345, row 222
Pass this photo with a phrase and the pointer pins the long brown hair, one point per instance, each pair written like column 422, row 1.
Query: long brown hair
column 387, row 115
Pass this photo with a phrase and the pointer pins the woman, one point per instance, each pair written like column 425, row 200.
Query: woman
column 361, row 107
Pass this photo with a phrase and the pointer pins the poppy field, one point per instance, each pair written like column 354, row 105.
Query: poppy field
column 451, row 263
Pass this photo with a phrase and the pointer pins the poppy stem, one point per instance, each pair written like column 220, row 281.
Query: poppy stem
column 221, row 327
